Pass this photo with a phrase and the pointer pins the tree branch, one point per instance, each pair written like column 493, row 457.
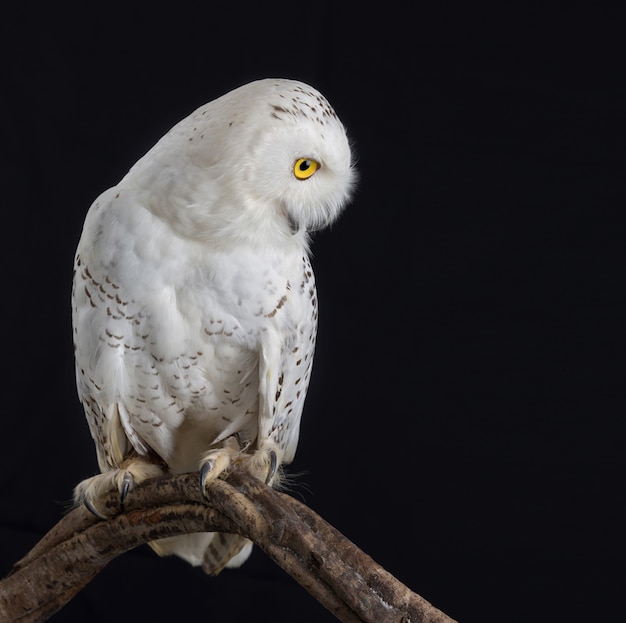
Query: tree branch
column 336, row 572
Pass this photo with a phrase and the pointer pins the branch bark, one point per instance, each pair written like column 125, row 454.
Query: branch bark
column 335, row 571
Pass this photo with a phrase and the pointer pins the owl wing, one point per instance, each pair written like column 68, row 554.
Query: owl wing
column 100, row 331
column 117, row 375
column 285, row 366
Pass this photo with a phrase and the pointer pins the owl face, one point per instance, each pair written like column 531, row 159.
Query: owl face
column 266, row 160
column 301, row 162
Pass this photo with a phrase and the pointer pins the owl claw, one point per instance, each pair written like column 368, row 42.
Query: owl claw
column 206, row 468
column 272, row 469
column 92, row 509
column 127, row 485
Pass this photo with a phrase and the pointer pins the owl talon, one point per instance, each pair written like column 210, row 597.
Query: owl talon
column 127, row 485
column 273, row 465
column 205, row 470
column 92, row 509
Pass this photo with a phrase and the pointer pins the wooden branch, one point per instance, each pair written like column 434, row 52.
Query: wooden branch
column 336, row 572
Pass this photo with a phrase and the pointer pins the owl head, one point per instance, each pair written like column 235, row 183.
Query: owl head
column 263, row 163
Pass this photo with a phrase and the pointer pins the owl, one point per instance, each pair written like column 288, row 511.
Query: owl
column 194, row 307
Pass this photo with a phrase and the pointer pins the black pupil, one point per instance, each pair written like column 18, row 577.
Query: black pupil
column 304, row 165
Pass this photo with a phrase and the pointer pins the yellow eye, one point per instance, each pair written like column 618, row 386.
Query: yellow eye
column 305, row 167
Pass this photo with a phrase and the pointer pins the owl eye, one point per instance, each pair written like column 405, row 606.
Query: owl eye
column 305, row 167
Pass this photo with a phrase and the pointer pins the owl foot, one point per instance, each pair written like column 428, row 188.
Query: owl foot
column 262, row 464
column 91, row 490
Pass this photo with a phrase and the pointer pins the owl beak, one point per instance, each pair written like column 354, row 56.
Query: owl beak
column 294, row 226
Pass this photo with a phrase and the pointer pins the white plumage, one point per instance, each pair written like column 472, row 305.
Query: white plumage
column 194, row 304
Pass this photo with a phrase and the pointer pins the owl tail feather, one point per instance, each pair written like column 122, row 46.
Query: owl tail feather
column 225, row 550
column 211, row 550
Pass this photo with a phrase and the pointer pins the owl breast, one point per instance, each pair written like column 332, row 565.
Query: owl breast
column 205, row 345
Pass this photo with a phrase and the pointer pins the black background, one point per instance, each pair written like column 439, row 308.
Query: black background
column 462, row 425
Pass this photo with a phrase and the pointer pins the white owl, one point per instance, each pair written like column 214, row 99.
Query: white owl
column 194, row 305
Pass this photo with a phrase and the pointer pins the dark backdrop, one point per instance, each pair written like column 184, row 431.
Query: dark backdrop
column 462, row 425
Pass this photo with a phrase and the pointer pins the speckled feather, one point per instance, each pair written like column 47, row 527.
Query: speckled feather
column 194, row 301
